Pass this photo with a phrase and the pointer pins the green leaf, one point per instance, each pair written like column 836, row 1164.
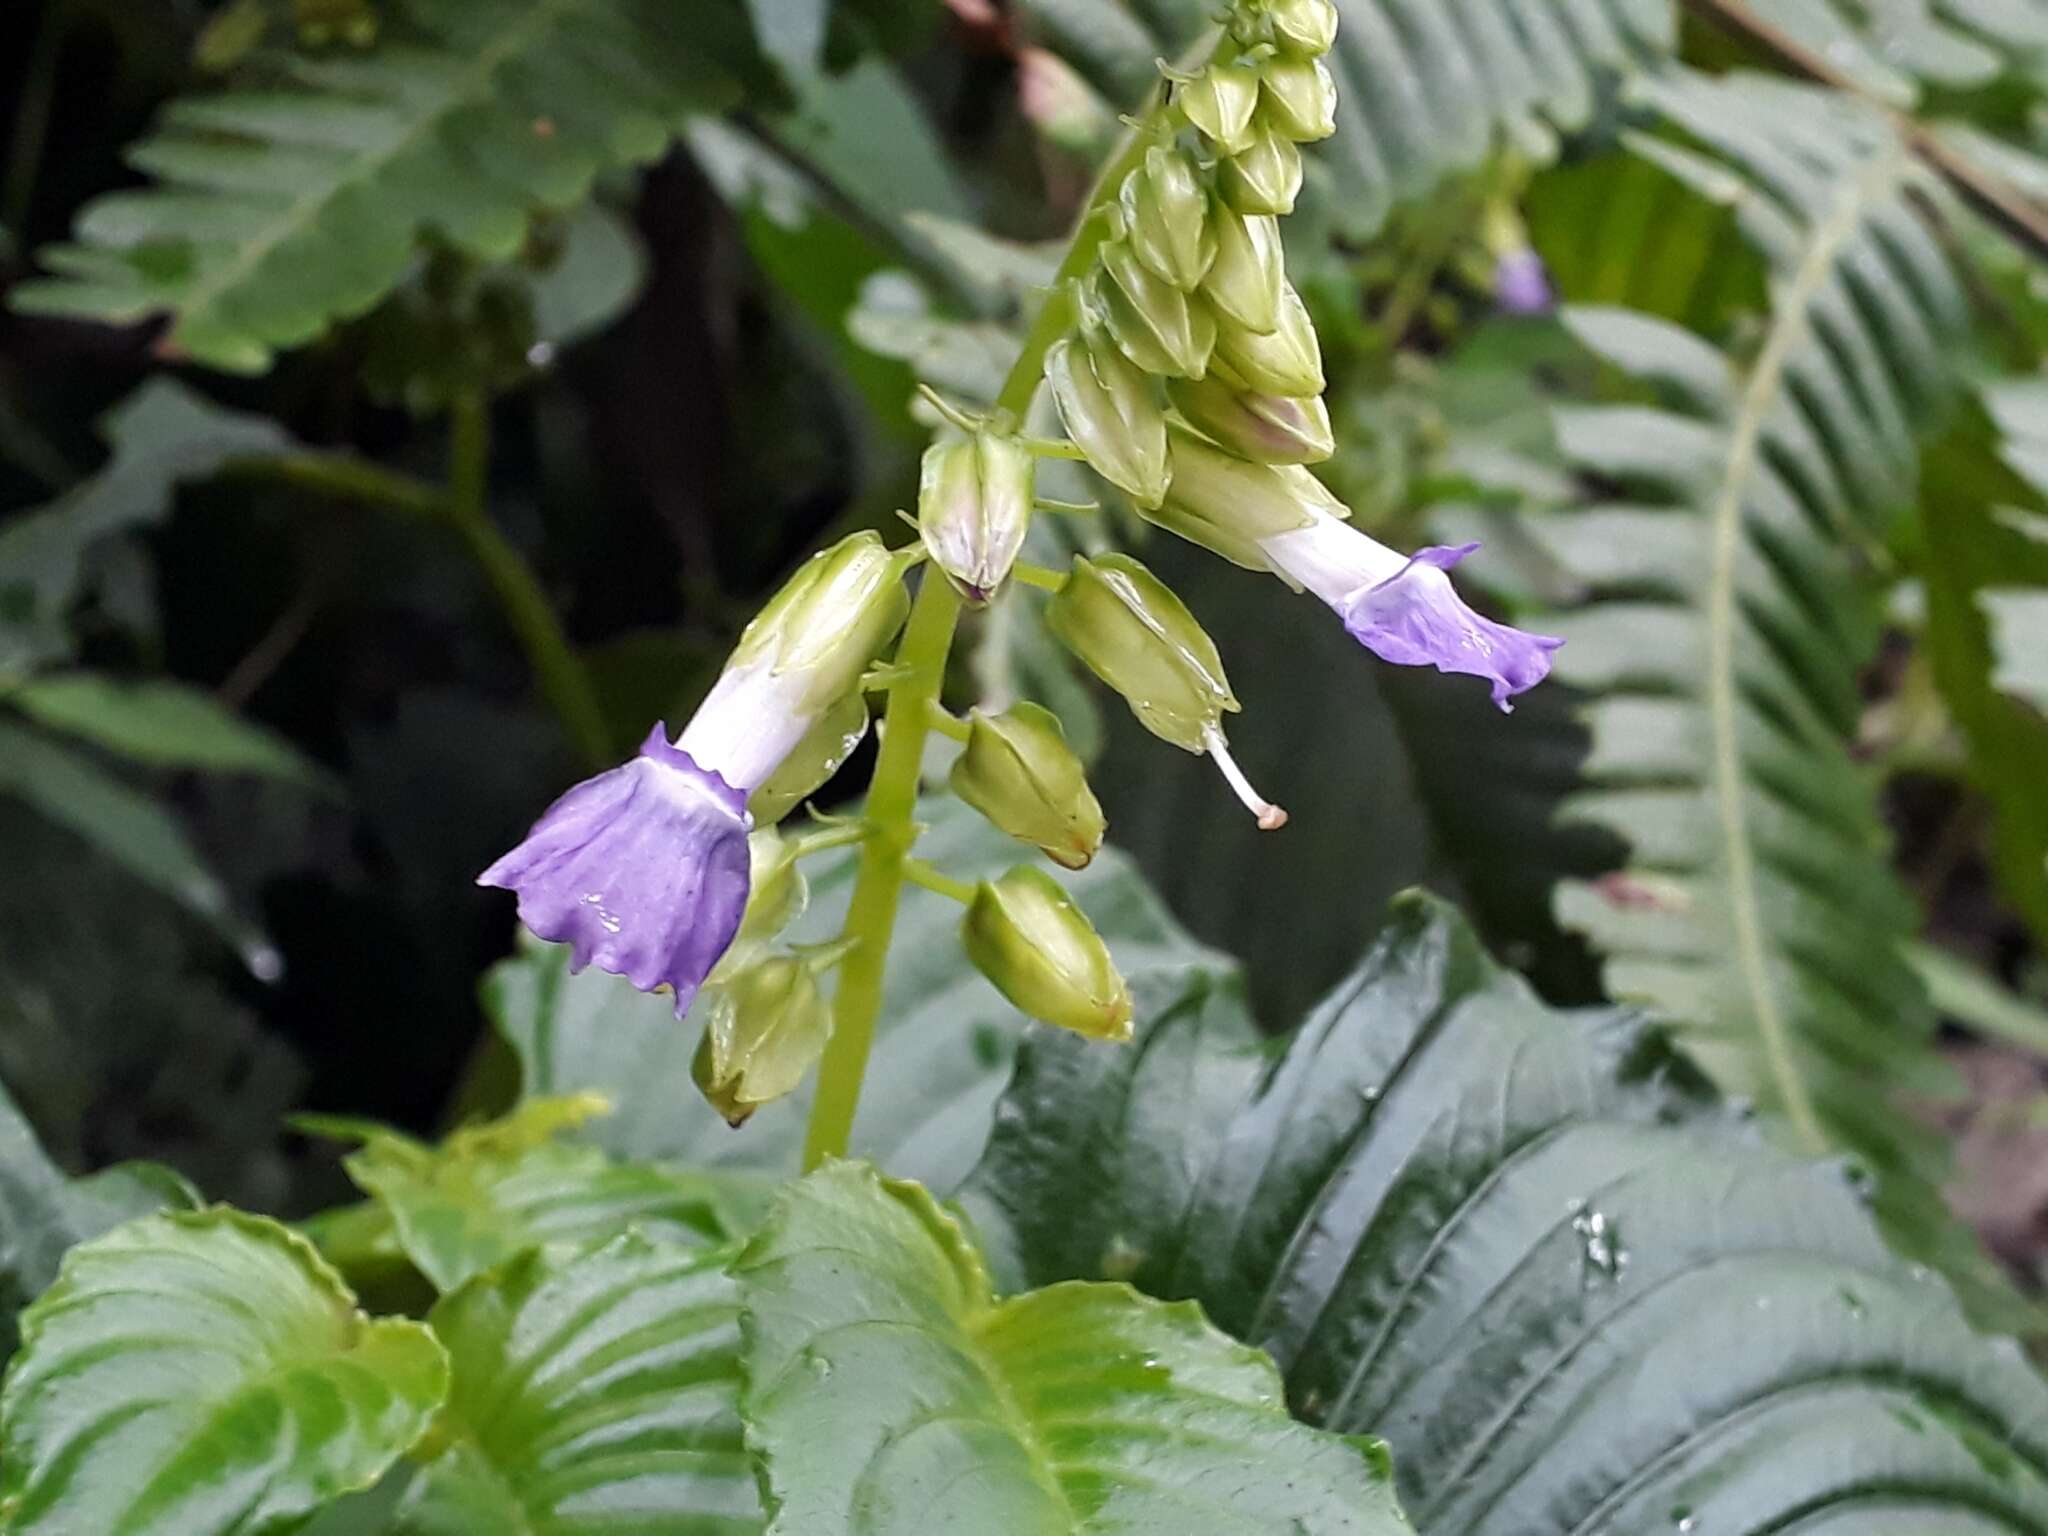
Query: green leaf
column 1572, row 1291
column 160, row 436
column 1975, row 556
column 199, row 1373
column 1726, row 607
column 43, row 1212
column 1965, row 993
column 594, row 1394
column 495, row 1190
column 162, row 723
column 888, row 1391
column 791, row 31
column 942, row 1052
column 123, row 823
column 277, row 211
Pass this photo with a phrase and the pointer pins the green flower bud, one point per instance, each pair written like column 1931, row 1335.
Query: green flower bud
column 1161, row 329
column 1024, row 933
column 828, row 621
column 1250, row 271
column 1287, row 361
column 1110, row 411
column 825, row 746
column 1299, row 99
column 973, row 509
column 1264, row 178
column 1220, row 102
column 1131, row 631
column 1166, row 217
column 1228, row 506
column 768, row 1026
column 1267, row 429
column 1304, row 29
column 1019, row 772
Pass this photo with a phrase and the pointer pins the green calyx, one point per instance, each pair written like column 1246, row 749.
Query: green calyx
column 832, row 617
column 1111, row 410
column 1220, row 101
column 1248, row 279
column 768, row 1026
column 1303, row 29
column 1265, row 176
column 1298, row 99
column 1162, row 329
column 1019, row 772
column 1026, row 935
column 1228, row 505
column 1131, row 631
column 1288, row 360
column 974, row 508
column 1266, row 429
column 1165, row 207
column 828, row 744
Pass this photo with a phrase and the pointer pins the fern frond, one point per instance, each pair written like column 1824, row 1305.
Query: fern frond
column 1730, row 600
column 276, row 211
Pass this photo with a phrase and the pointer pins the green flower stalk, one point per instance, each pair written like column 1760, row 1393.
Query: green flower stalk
column 1187, row 373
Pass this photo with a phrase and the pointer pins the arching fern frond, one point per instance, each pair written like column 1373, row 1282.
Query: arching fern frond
column 1731, row 595
column 276, row 211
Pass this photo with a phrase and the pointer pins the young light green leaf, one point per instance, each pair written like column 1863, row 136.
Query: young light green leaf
column 595, row 1394
column 277, row 211
column 203, row 1374
column 1573, row 1291
column 159, row 722
column 889, row 1393
column 495, row 1190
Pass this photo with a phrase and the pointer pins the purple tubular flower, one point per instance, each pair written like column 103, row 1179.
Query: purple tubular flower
column 1403, row 609
column 642, row 870
column 1521, row 284
column 1415, row 618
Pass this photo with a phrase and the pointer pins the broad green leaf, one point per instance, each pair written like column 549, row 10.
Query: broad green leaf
column 158, row 437
column 1572, row 1291
column 123, row 823
column 203, row 1373
column 888, row 1392
column 44, row 1212
column 942, row 1052
column 594, row 1394
column 278, row 210
column 1976, row 556
column 495, row 1190
column 158, row 722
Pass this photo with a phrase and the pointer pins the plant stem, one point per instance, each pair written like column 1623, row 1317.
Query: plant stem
column 871, row 919
column 913, row 695
column 345, row 478
column 559, row 672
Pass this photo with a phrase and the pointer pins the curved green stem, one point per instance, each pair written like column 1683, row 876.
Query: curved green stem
column 557, row 669
column 918, row 674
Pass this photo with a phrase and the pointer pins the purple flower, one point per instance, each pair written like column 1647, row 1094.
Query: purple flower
column 1415, row 618
column 1521, row 284
column 641, row 871
column 1405, row 610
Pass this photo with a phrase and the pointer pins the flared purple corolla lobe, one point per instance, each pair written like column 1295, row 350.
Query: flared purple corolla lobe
column 1415, row 618
column 1521, row 284
column 641, row 871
